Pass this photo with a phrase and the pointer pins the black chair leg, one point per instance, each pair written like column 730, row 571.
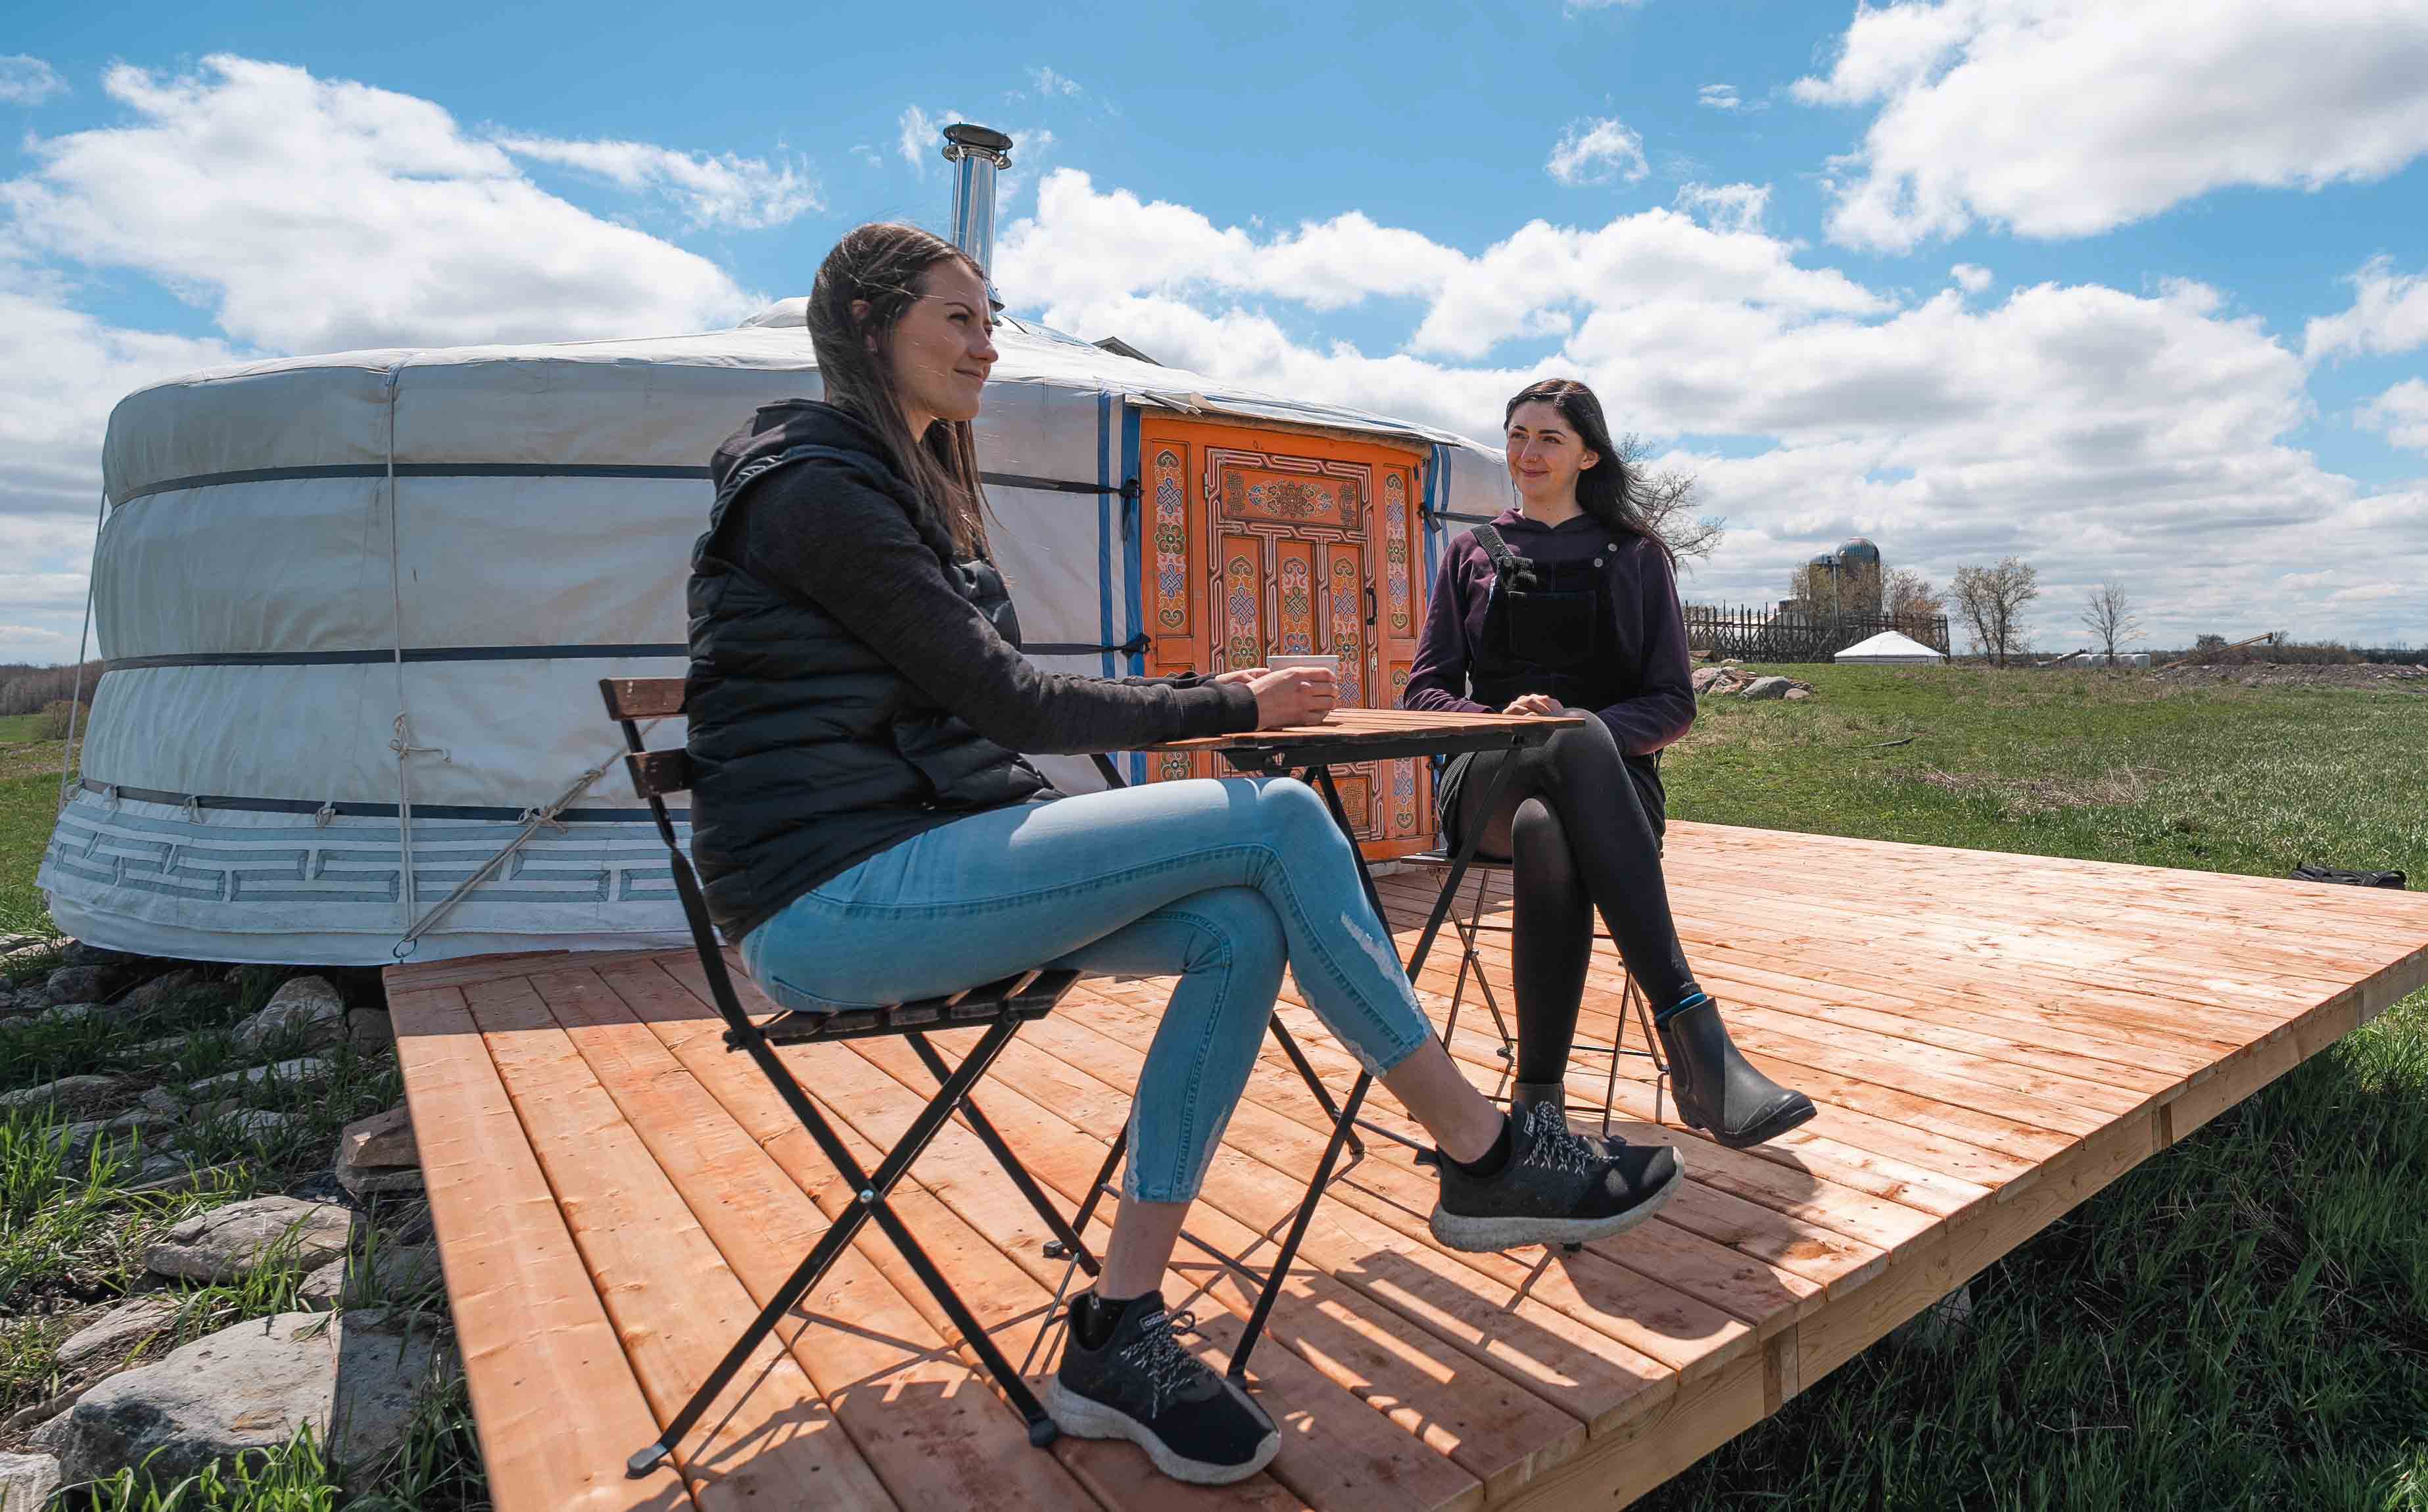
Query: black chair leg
column 873, row 1191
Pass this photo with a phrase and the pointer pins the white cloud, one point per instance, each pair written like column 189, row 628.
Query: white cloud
column 1729, row 208
column 721, row 189
column 1577, row 7
column 2062, row 118
column 1049, row 83
column 1596, row 151
column 2099, row 433
column 1969, row 278
column 1718, row 97
column 27, row 81
column 310, row 215
column 2388, row 314
column 922, row 137
column 2400, row 413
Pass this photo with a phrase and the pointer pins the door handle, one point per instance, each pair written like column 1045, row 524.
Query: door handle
column 1370, row 606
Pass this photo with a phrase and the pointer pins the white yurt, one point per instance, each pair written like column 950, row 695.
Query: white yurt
column 1889, row 649
column 353, row 610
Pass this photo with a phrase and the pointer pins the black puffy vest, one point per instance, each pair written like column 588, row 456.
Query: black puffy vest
column 810, row 752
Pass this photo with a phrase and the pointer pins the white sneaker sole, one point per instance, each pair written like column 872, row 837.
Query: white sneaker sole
column 1482, row 1235
column 1085, row 1418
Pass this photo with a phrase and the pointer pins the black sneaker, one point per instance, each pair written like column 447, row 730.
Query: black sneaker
column 1555, row 1188
column 1139, row 1384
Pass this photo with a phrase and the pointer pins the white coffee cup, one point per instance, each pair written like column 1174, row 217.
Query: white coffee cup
column 1330, row 664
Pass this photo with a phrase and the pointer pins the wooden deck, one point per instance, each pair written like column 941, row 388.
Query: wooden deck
column 1990, row 1039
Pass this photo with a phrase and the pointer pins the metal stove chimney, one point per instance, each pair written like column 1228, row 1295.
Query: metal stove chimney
column 976, row 153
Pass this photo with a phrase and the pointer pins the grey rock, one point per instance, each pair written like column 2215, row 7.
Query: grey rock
column 67, row 1096
column 79, row 984
column 308, row 1004
column 129, row 1324
column 369, row 1029
column 352, row 1376
column 1766, row 687
column 1798, row 695
column 258, row 1122
column 162, row 1101
column 80, row 953
column 361, row 1184
column 380, row 1140
column 26, row 955
column 67, row 1013
column 1703, row 677
column 171, row 1176
column 1938, row 1327
column 303, row 1068
column 10, row 943
column 128, row 1127
column 393, row 1272
column 26, row 1481
column 243, row 1237
column 160, row 991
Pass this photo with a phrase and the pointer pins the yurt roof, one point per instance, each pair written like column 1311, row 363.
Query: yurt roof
column 519, row 404
column 1891, row 647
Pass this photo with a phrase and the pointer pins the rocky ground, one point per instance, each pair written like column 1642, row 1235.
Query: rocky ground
column 2389, row 677
column 191, row 1267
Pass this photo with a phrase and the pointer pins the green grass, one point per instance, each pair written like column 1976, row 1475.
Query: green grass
column 27, row 807
column 2242, row 1322
column 17, row 729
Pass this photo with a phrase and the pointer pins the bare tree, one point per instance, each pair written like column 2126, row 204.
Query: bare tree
column 2107, row 613
column 1991, row 599
column 1669, row 499
column 1913, row 603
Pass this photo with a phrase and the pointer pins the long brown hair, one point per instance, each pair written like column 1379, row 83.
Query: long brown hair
column 882, row 264
column 1610, row 490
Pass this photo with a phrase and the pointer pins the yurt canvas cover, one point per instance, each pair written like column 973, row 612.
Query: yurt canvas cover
column 353, row 610
column 1887, row 649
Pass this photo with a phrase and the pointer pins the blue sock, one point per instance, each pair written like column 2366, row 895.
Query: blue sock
column 1695, row 997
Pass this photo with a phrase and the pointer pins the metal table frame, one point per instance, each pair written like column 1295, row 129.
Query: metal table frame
column 1314, row 756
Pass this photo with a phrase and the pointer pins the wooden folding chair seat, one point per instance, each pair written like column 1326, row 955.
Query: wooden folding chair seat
column 1632, row 1002
column 999, row 1008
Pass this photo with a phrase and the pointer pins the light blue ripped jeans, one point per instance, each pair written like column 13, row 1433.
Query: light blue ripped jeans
column 1217, row 882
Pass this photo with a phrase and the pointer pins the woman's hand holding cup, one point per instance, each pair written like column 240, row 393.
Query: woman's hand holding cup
column 1293, row 695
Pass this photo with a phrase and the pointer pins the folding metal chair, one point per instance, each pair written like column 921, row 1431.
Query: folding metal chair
column 1000, row 1008
column 1632, row 1002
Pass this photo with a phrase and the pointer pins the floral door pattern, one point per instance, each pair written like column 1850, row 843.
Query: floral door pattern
column 1269, row 543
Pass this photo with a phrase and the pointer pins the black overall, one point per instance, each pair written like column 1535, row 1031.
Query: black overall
column 1579, row 837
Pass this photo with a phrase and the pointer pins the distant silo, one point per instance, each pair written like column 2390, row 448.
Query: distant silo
column 1859, row 574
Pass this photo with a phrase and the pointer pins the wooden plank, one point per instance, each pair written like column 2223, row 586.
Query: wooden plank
column 674, row 1303
column 1005, row 1298
column 927, row 1423
column 533, row 1333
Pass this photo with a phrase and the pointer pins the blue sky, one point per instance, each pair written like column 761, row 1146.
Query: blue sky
column 2185, row 353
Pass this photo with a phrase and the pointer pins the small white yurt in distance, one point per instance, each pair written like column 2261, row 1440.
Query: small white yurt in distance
column 353, row 611
column 1889, row 649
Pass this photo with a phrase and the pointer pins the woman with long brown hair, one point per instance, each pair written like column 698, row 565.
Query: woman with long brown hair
column 867, row 832
column 1569, row 601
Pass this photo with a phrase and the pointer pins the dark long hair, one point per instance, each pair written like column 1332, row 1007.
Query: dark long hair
column 883, row 263
column 1610, row 490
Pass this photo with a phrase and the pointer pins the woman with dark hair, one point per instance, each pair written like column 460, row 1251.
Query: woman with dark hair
column 866, row 830
column 1569, row 600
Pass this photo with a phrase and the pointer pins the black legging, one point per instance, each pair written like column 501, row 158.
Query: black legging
column 1571, row 825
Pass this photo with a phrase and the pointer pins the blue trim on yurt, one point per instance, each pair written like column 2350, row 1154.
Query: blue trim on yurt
column 1133, row 549
column 1105, row 527
column 1436, row 504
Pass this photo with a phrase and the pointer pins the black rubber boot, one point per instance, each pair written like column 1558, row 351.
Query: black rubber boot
column 1717, row 1090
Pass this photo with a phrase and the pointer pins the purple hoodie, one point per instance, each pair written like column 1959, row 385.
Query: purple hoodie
column 1647, row 628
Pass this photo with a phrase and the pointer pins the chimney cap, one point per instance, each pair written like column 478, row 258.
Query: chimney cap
column 961, row 137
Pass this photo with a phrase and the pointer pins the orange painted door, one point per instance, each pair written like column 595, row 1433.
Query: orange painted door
column 1264, row 543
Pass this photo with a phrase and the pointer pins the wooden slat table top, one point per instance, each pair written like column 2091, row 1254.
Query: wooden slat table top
column 1990, row 1040
column 1352, row 727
